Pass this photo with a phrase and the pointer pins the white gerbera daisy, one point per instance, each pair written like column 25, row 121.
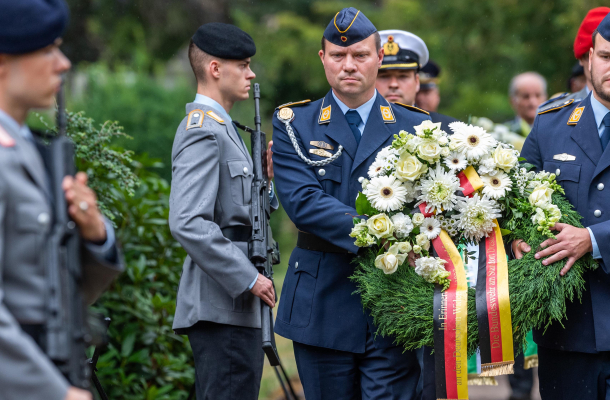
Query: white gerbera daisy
column 402, row 225
column 431, row 228
column 497, row 185
column 376, row 168
column 385, row 193
column 476, row 216
column 438, row 190
column 456, row 161
column 473, row 141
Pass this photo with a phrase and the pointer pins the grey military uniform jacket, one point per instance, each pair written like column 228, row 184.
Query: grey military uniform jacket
column 25, row 225
column 211, row 190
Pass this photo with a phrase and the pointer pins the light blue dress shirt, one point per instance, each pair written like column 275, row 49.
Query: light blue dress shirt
column 599, row 111
column 27, row 134
column 364, row 110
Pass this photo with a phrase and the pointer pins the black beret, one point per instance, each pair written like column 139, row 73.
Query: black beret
column 349, row 26
column 224, row 41
column 29, row 25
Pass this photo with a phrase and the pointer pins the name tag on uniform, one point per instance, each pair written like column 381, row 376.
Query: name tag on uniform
column 564, row 157
column 320, row 152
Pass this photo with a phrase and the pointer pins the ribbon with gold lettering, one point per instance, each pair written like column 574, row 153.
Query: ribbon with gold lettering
column 450, row 324
column 493, row 307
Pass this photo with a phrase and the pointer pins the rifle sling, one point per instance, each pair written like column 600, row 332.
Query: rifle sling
column 241, row 233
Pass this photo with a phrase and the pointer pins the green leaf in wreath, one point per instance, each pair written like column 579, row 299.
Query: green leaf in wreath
column 505, row 232
column 364, row 207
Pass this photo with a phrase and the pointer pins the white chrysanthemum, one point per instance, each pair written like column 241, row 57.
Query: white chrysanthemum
column 431, row 228
column 487, row 166
column 385, row 193
column 376, row 168
column 387, row 154
column 497, row 185
column 431, row 268
column 473, row 141
column 412, row 192
column 456, row 161
column 402, row 225
column 438, row 190
column 476, row 216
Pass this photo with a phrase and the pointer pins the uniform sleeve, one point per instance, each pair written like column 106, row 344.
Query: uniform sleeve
column 195, row 180
column 531, row 150
column 303, row 197
column 25, row 372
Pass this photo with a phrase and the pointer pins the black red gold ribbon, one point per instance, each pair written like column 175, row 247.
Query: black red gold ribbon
column 470, row 181
column 493, row 307
column 450, row 324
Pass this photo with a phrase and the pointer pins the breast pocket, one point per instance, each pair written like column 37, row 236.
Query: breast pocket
column 241, row 182
column 299, row 287
column 568, row 176
column 330, row 177
column 32, row 223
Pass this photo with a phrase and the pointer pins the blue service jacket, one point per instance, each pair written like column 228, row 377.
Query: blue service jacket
column 587, row 328
column 317, row 305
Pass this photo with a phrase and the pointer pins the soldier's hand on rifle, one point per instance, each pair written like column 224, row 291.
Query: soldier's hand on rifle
column 82, row 207
column 263, row 288
column 270, row 161
column 77, row 394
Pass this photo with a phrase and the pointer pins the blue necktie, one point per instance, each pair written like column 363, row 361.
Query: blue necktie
column 353, row 119
column 605, row 138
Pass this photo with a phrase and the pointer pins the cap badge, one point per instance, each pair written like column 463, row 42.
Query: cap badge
column 324, row 115
column 390, row 48
column 343, row 39
column 386, row 114
column 286, row 114
column 576, row 114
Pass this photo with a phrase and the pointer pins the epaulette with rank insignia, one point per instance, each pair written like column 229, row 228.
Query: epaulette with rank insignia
column 556, row 107
column 296, row 103
column 413, row 108
column 195, row 119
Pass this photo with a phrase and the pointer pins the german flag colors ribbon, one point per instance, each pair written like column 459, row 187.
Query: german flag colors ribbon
column 450, row 324
column 493, row 307
column 470, row 181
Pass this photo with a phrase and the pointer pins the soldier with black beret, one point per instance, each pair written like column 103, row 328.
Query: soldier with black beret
column 220, row 293
column 31, row 68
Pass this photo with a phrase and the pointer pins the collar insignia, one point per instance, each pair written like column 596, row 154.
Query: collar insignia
column 324, row 115
column 195, row 119
column 322, row 145
column 387, row 114
column 576, row 114
column 564, row 157
column 215, row 117
column 320, row 152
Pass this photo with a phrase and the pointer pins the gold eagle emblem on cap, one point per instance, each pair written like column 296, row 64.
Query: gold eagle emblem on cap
column 390, row 48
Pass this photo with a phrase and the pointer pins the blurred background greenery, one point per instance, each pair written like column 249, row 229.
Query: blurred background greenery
column 130, row 66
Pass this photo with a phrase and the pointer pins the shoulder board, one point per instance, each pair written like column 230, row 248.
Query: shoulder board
column 194, row 119
column 215, row 117
column 554, row 107
column 413, row 108
column 296, row 103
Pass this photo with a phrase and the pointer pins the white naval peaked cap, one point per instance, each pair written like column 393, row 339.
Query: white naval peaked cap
column 403, row 50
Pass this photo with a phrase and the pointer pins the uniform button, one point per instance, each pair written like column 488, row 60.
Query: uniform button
column 245, row 170
column 43, row 218
column 597, row 213
column 557, row 172
column 296, row 265
column 321, row 172
column 600, row 186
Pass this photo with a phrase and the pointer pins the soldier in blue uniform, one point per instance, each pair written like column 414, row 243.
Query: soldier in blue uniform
column 571, row 141
column 321, row 150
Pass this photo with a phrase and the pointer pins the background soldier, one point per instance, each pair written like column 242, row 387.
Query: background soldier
column 526, row 92
column 398, row 79
column 31, row 66
column 218, row 304
column 572, row 142
column 429, row 95
column 337, row 353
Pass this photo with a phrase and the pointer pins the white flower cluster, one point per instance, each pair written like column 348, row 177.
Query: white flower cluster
column 432, row 269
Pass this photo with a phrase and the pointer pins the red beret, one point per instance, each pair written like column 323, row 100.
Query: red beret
column 583, row 42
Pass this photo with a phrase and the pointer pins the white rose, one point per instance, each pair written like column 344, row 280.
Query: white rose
column 390, row 261
column 381, row 226
column 539, row 216
column 445, row 152
column 505, row 158
column 417, row 249
column 359, row 228
column 443, row 140
column 423, row 241
column 409, row 168
column 418, row 219
column 429, row 150
column 541, row 195
column 404, row 247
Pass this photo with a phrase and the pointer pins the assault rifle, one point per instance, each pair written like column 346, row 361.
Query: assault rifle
column 66, row 329
column 263, row 251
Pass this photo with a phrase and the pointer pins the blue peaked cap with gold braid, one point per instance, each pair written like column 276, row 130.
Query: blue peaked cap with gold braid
column 349, row 26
